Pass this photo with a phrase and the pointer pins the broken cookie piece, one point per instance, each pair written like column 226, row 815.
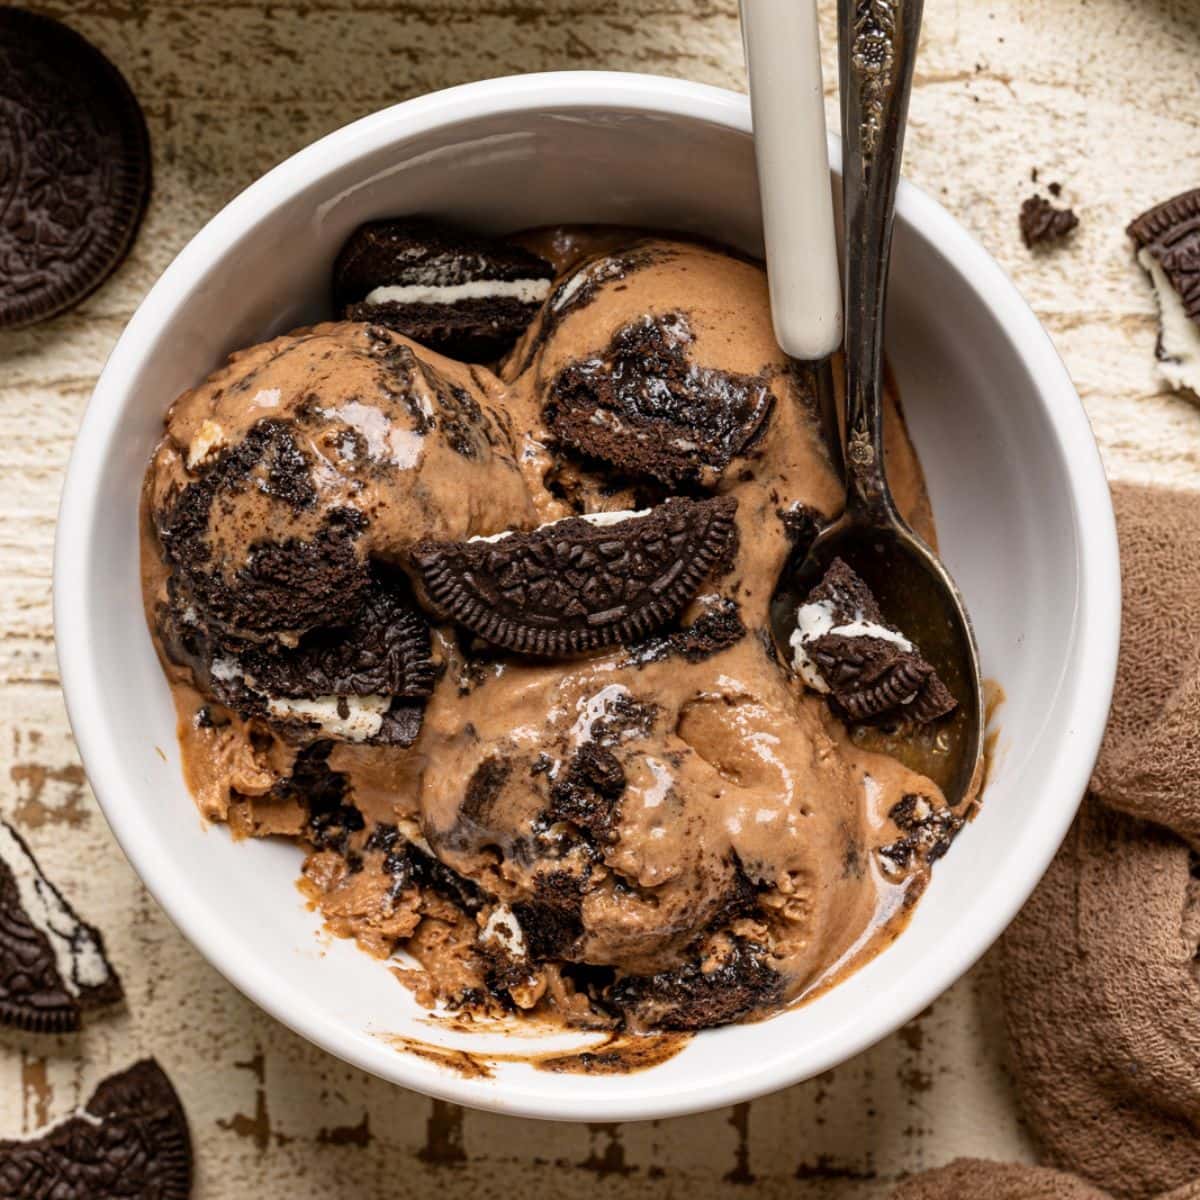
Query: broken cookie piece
column 580, row 583
column 647, row 408
column 52, row 963
column 131, row 1140
column 1167, row 239
column 926, row 833
column 455, row 292
column 1042, row 224
column 734, row 977
column 364, row 678
column 843, row 649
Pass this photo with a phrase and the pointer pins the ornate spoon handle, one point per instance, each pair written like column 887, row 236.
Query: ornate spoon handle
column 877, row 51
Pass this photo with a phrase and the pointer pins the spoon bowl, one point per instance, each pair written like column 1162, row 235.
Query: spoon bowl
column 915, row 593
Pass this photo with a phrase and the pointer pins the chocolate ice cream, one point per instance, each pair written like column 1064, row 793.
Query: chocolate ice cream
column 493, row 644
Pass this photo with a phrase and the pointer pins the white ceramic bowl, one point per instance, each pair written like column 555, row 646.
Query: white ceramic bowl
column 1020, row 497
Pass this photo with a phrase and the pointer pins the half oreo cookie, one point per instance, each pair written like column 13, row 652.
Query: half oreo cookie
column 844, row 649
column 1167, row 238
column 457, row 293
column 52, row 963
column 74, row 167
column 581, row 583
column 130, row 1141
column 362, row 679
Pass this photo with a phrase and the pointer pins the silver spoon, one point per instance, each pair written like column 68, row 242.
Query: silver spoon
column 877, row 51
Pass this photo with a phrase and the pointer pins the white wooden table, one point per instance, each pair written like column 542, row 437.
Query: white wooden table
column 1100, row 95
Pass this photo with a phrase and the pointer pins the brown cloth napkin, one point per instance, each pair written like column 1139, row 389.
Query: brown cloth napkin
column 1150, row 761
column 974, row 1179
column 1101, row 977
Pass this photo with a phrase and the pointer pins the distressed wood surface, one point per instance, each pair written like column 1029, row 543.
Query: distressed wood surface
column 1099, row 95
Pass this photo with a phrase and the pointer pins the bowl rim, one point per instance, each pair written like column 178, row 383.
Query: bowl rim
column 1086, row 691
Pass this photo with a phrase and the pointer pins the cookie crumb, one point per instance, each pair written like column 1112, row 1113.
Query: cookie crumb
column 1044, row 225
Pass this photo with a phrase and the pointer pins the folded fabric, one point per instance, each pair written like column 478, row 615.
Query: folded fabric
column 1103, row 1007
column 975, row 1179
column 1150, row 761
column 1102, row 982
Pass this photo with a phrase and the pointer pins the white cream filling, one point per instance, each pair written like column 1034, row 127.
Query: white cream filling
column 77, row 955
column 266, row 398
column 385, row 441
column 600, row 519
column 570, row 288
column 1179, row 335
column 527, row 291
column 363, row 719
column 209, row 437
column 816, row 620
column 503, row 929
column 225, row 669
column 76, row 1114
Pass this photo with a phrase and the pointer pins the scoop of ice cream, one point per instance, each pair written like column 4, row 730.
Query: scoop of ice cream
column 291, row 469
column 663, row 829
column 641, row 816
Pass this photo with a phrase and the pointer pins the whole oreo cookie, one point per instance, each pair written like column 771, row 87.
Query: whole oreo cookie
column 455, row 292
column 130, row 1141
column 643, row 406
column 52, row 963
column 74, row 167
column 581, row 583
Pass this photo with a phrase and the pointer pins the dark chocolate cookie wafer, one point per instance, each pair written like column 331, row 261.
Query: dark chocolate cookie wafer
column 732, row 982
column 455, row 292
column 643, row 406
column 52, row 964
column 131, row 1141
column 1167, row 238
column 74, row 167
column 581, row 583
column 1171, row 233
column 844, row 649
column 1042, row 224
column 364, row 678
column 291, row 585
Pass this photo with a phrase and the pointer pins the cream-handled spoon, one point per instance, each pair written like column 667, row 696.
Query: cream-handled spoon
column 783, row 63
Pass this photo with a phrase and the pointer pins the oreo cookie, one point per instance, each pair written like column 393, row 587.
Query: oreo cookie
column 53, row 966
column 926, row 834
column 131, row 1140
column 1042, row 224
column 1167, row 238
column 871, row 671
column 589, row 793
column 363, row 679
column 723, row 987
column 282, row 586
column 581, row 583
column 462, row 295
column 644, row 407
column 74, row 167
column 712, row 632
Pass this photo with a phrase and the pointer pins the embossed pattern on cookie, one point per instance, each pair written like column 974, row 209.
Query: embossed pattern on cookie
column 577, row 585
column 131, row 1140
column 74, row 167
